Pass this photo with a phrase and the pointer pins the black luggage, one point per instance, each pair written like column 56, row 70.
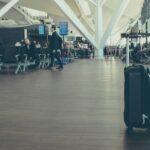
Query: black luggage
column 136, row 97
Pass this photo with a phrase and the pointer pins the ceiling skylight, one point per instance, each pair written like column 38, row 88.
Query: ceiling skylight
column 83, row 4
column 35, row 13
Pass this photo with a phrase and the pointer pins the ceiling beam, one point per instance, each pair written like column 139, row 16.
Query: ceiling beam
column 83, row 17
column 93, row 2
column 75, row 20
column 7, row 7
column 131, row 25
column 122, row 5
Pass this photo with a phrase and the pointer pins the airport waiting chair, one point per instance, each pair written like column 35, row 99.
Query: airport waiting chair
column 24, row 63
column 19, row 68
column 21, row 64
column 147, row 57
column 42, row 61
column 47, row 61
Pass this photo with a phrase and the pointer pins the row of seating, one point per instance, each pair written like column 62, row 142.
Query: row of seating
column 138, row 57
column 20, row 60
column 143, row 56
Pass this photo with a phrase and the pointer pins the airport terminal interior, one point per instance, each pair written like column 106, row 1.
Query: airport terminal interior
column 74, row 74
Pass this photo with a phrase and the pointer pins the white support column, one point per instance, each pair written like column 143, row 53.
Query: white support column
column 102, row 2
column 115, row 19
column 7, row 7
column 75, row 20
column 25, row 33
column 99, row 27
column 96, row 25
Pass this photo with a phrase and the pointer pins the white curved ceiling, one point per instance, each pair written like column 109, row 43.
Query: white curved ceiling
column 132, row 11
column 14, row 18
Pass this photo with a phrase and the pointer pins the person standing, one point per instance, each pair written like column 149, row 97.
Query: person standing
column 55, row 48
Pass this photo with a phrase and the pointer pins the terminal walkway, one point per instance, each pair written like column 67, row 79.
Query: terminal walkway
column 78, row 108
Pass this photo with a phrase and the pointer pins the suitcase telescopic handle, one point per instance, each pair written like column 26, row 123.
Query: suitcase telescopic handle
column 144, row 117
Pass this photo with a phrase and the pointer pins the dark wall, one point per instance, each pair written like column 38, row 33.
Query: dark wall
column 9, row 36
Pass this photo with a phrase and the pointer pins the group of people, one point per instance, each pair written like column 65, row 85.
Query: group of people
column 54, row 47
column 84, row 50
column 111, row 51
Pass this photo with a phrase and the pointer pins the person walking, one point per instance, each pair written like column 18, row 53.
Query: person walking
column 55, row 48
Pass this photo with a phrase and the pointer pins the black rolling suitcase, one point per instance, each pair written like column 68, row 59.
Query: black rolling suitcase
column 136, row 98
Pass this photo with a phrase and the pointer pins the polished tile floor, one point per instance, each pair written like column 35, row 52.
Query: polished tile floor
column 79, row 108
